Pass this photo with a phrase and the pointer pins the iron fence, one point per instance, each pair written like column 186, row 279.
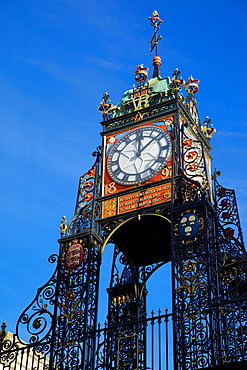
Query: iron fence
column 156, row 354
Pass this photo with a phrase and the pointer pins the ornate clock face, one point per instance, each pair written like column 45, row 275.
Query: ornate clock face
column 139, row 155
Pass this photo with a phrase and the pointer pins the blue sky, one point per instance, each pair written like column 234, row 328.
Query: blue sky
column 57, row 59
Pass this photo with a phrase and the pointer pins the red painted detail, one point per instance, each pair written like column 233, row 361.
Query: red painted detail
column 74, row 256
column 157, row 60
column 87, row 197
column 224, row 203
column 228, row 232
column 88, row 185
column 226, row 215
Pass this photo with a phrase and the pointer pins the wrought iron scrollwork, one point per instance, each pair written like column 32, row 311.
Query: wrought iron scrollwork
column 87, row 208
column 188, row 190
column 39, row 315
column 194, row 164
column 192, row 243
column 192, row 183
column 227, row 210
column 76, row 308
column 125, row 341
column 88, row 183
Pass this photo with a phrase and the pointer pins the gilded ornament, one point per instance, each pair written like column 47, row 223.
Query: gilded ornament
column 70, row 295
column 190, row 266
column 138, row 117
column 63, row 227
column 69, row 311
column 109, row 207
column 37, row 324
column 141, row 74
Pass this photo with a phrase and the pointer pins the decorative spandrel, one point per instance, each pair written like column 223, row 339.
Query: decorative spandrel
column 87, row 209
column 227, row 210
column 35, row 324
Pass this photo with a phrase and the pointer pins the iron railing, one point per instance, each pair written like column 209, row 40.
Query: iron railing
column 18, row 355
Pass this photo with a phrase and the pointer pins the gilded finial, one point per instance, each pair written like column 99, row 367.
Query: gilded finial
column 177, row 81
column 208, row 129
column 105, row 105
column 216, row 173
column 192, row 86
column 63, row 227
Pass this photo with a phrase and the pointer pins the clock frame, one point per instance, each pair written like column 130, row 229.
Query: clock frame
column 163, row 128
column 139, row 155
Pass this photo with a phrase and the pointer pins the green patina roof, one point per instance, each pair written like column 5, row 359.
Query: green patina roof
column 158, row 85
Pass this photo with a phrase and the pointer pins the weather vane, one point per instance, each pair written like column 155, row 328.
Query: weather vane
column 155, row 21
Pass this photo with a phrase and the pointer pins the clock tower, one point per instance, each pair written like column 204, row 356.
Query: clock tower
column 152, row 193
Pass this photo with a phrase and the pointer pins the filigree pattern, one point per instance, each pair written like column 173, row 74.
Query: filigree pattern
column 14, row 353
column 230, row 267
column 188, row 190
column 87, row 209
column 76, row 310
column 125, row 345
column 227, row 211
column 85, row 189
column 194, row 165
column 88, row 184
column 146, row 113
column 192, row 278
column 36, row 320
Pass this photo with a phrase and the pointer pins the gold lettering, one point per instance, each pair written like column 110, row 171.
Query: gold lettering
column 110, row 188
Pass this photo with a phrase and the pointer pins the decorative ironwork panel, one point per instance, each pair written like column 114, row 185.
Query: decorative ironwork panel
column 158, row 344
column 144, row 113
column 194, row 163
column 63, row 311
column 194, row 322
column 227, row 210
column 127, row 305
column 231, row 274
column 87, row 209
column 17, row 355
column 32, row 343
column 77, row 303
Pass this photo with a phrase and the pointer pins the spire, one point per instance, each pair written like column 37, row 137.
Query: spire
column 155, row 21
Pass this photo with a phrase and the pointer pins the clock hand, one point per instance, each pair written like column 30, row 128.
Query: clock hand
column 139, row 144
column 148, row 146
column 144, row 147
column 147, row 156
